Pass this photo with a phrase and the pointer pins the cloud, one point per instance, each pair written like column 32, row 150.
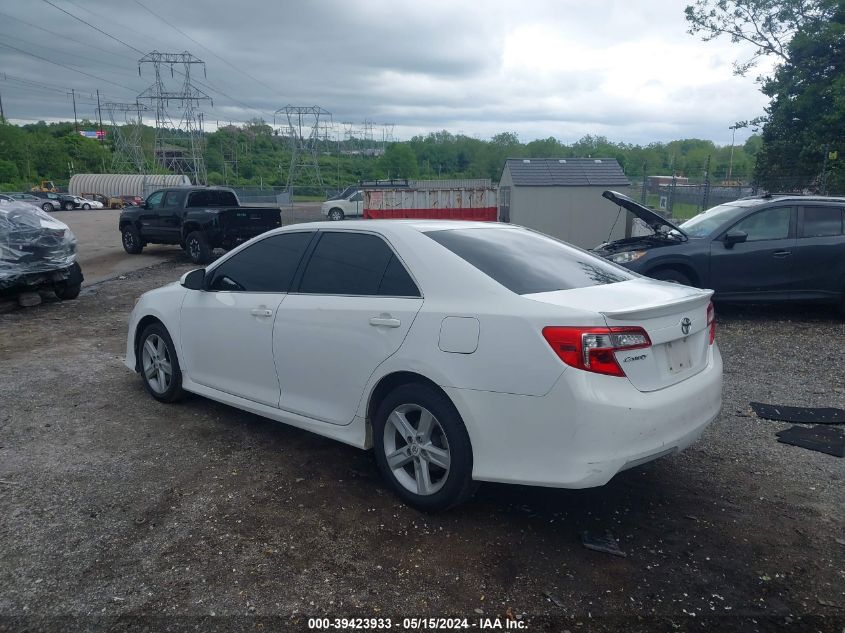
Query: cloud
column 541, row 68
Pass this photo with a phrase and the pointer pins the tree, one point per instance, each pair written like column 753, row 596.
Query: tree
column 805, row 118
column 769, row 25
column 399, row 161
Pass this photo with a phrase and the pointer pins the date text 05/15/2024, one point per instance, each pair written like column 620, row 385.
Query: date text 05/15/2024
column 416, row 624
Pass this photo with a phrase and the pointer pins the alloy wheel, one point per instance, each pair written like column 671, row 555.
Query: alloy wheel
column 155, row 360
column 416, row 449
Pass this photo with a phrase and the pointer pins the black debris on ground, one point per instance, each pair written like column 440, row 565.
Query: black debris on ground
column 823, row 439
column 799, row 415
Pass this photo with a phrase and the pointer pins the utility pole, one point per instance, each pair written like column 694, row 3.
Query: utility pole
column 2, row 114
column 75, row 120
column 705, row 199
column 102, row 134
column 645, row 184
column 731, row 163
column 824, row 170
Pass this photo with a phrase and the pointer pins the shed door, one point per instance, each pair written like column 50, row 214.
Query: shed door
column 504, row 204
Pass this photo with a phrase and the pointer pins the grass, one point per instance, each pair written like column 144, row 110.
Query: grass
column 303, row 198
column 680, row 210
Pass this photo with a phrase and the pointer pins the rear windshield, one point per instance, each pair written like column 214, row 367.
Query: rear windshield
column 526, row 262
column 212, row 199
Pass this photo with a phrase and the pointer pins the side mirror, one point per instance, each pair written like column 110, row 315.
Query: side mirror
column 194, row 280
column 735, row 237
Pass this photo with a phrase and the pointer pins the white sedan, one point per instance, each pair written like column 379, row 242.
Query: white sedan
column 459, row 351
column 85, row 203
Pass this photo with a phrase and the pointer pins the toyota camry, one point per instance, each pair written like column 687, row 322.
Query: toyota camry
column 460, row 352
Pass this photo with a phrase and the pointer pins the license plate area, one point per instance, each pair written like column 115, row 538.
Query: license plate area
column 679, row 356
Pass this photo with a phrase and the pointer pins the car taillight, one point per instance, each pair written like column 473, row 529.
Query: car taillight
column 711, row 321
column 594, row 348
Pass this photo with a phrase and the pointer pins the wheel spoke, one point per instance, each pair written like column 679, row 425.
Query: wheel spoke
column 426, row 426
column 437, row 456
column 423, row 476
column 398, row 458
column 151, row 349
column 162, row 383
column 165, row 365
column 160, row 348
column 400, row 422
column 150, row 371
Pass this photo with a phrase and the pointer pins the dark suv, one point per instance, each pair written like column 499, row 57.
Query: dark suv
column 761, row 249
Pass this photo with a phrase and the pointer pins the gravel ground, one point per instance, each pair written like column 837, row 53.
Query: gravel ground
column 120, row 513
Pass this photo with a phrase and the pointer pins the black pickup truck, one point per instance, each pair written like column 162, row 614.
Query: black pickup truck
column 199, row 219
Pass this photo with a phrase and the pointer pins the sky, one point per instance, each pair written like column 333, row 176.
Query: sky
column 624, row 69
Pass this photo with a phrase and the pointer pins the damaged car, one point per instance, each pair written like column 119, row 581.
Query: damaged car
column 753, row 250
column 37, row 252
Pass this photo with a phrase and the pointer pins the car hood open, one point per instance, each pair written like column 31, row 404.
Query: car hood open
column 652, row 219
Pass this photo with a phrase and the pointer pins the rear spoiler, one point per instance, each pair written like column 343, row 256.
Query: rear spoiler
column 661, row 309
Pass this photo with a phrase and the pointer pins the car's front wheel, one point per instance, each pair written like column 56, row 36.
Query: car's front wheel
column 67, row 206
column 159, row 365
column 673, row 276
column 422, row 448
column 86, row 206
column 336, row 214
column 47, row 207
column 70, row 288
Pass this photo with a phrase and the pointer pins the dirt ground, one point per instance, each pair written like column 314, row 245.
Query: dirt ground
column 120, row 513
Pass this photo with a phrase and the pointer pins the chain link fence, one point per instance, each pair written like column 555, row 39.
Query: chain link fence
column 683, row 201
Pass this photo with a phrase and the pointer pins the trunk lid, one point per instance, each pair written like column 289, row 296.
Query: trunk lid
column 673, row 316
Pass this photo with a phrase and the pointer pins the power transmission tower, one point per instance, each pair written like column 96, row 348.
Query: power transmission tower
column 229, row 150
column 178, row 148
column 304, row 127
column 126, row 123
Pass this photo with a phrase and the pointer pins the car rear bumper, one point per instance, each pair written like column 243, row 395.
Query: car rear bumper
column 587, row 428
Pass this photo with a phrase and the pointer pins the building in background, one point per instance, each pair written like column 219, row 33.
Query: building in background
column 562, row 198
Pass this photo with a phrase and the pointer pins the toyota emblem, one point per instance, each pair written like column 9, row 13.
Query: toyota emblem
column 685, row 325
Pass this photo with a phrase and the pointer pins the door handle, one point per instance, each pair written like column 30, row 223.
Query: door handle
column 781, row 253
column 261, row 312
column 386, row 321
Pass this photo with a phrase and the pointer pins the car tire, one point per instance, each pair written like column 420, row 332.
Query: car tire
column 67, row 206
column 411, row 467
column 336, row 215
column 69, row 289
column 131, row 239
column 198, row 248
column 673, row 276
column 159, row 365
column 47, row 207
column 87, row 207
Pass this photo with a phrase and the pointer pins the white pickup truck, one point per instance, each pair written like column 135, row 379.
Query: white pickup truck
column 348, row 204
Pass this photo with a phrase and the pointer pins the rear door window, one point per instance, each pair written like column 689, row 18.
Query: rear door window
column 356, row 264
column 266, row 266
column 172, row 199
column 526, row 262
column 822, row 222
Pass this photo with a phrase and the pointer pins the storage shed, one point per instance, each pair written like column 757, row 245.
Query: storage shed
column 562, row 197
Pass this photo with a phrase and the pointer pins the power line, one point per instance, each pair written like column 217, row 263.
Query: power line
column 50, row 61
column 99, row 30
column 45, row 49
column 207, row 86
column 64, row 37
column 225, row 61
